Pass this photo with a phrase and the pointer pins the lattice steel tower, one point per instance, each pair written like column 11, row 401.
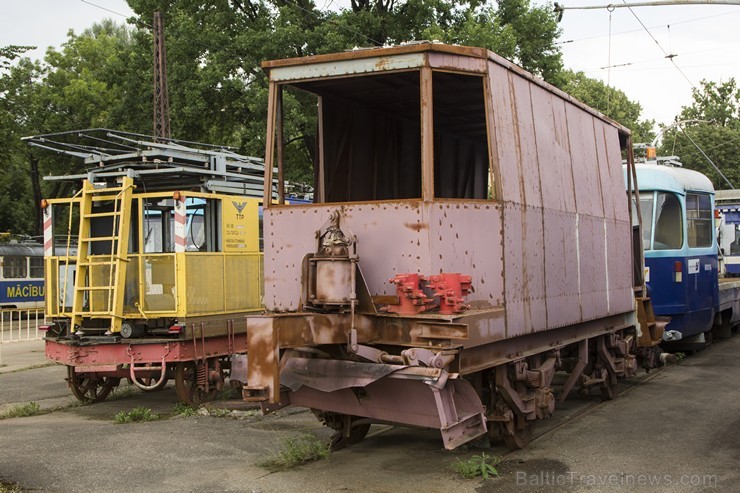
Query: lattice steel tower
column 161, row 126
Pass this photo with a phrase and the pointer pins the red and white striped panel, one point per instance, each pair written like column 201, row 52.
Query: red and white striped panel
column 180, row 225
column 48, row 232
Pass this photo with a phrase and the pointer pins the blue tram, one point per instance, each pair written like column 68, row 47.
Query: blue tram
column 680, row 244
column 21, row 276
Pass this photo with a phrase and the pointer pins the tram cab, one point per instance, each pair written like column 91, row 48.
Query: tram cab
column 680, row 245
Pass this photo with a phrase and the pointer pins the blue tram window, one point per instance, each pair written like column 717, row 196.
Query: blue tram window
column 37, row 267
column 699, row 220
column 15, row 267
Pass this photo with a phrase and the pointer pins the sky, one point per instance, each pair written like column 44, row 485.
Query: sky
column 705, row 40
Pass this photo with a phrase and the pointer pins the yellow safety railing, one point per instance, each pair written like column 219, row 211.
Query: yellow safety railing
column 168, row 284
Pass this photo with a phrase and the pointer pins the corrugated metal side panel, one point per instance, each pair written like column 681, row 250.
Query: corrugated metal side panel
column 591, row 249
column 506, row 134
column 621, row 295
column 584, row 162
column 553, row 151
column 561, row 259
column 609, row 194
column 525, row 269
column 528, row 164
column 616, row 173
column 467, row 238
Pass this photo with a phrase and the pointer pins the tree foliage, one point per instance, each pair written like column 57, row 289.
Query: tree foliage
column 218, row 92
column 714, row 131
column 611, row 102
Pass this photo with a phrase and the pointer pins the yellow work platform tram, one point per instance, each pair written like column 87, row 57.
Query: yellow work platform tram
column 161, row 262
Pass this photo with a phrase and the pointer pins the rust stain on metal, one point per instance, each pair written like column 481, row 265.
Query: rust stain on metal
column 418, row 226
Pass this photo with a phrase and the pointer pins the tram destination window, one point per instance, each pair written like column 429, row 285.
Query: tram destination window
column 699, row 220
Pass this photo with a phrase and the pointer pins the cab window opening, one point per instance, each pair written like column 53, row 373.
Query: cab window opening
column 699, row 220
column 461, row 166
column 668, row 222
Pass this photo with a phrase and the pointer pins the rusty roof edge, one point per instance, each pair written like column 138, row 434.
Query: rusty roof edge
column 549, row 87
column 376, row 52
column 426, row 47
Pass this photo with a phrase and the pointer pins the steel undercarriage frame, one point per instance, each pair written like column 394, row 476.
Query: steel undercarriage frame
column 418, row 371
column 198, row 363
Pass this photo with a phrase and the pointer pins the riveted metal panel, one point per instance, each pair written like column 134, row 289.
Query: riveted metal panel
column 553, row 151
column 614, row 155
column 506, row 133
column 591, row 250
column 584, row 161
column 392, row 237
column 467, row 238
column 529, row 169
column 619, row 244
column 525, row 270
column 561, row 261
column 608, row 191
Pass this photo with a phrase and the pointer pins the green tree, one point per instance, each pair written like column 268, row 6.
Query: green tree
column 716, row 106
column 611, row 102
column 214, row 50
column 96, row 79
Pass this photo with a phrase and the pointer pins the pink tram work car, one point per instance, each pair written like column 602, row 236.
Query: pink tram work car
column 470, row 237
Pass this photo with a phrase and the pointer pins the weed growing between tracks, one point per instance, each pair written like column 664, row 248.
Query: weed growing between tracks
column 22, row 410
column 185, row 410
column 296, row 451
column 478, row 465
column 9, row 488
column 137, row 415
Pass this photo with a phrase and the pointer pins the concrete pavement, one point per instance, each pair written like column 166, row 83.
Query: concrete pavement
column 678, row 432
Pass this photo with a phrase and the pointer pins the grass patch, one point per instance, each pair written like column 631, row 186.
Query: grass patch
column 21, row 411
column 478, row 465
column 296, row 451
column 185, row 410
column 137, row 415
column 9, row 488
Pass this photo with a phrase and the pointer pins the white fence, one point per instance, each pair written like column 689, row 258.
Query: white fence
column 21, row 325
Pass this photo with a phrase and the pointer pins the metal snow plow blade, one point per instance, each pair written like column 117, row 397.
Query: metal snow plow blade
column 409, row 395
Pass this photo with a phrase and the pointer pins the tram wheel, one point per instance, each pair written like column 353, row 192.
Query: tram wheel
column 89, row 387
column 189, row 390
column 521, row 437
column 608, row 389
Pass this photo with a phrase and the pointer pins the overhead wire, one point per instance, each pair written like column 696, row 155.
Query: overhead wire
column 588, row 38
column 667, row 55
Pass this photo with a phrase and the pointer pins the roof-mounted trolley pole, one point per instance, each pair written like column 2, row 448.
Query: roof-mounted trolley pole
column 161, row 261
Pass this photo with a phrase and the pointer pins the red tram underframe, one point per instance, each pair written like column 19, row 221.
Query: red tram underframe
column 197, row 363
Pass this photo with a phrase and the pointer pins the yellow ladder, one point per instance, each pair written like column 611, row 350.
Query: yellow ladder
column 101, row 278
